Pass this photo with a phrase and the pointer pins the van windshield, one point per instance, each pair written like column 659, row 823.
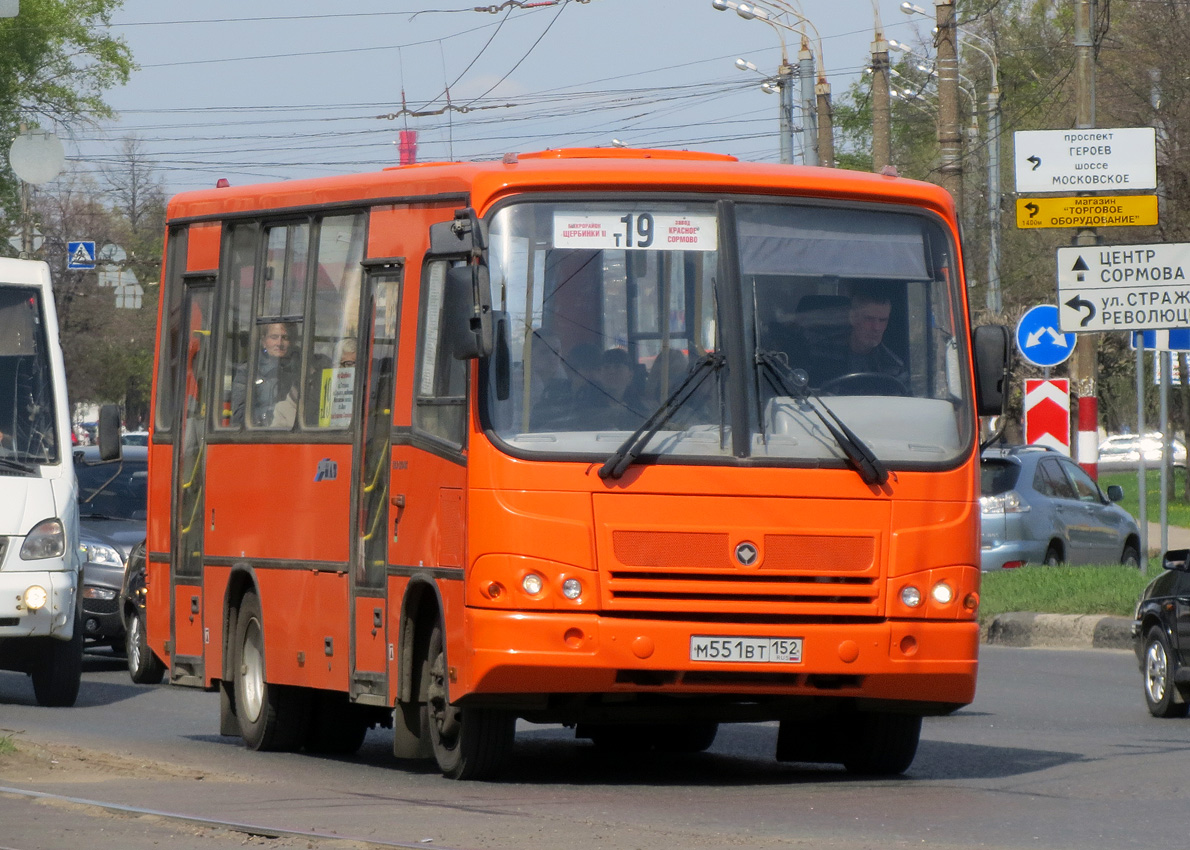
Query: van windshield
column 27, row 428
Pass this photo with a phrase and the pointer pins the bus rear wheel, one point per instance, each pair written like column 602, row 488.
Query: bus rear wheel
column 271, row 716
column 468, row 743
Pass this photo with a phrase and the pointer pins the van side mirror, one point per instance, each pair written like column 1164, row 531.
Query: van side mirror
column 469, row 311
column 109, row 432
column 989, row 344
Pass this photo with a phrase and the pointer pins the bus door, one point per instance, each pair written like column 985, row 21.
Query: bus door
column 187, row 632
column 373, row 450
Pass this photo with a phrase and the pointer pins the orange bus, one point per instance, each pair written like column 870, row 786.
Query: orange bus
column 576, row 437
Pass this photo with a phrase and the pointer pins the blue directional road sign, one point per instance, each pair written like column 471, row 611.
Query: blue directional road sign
column 1040, row 340
column 1177, row 339
column 80, row 256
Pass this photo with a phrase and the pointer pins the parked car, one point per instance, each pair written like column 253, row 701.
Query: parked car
column 112, row 510
column 1123, row 451
column 135, row 438
column 1160, row 639
column 1039, row 507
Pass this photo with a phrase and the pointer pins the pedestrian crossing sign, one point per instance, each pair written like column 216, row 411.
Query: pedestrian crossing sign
column 80, row 256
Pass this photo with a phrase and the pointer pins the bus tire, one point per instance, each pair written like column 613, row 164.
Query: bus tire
column 882, row 743
column 144, row 667
column 468, row 743
column 271, row 716
column 58, row 671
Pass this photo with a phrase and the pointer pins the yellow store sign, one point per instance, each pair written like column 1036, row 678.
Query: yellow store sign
column 1118, row 211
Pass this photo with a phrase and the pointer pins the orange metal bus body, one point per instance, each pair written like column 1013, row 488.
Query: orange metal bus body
column 465, row 529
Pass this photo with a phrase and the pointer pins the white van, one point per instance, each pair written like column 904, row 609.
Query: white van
column 40, row 632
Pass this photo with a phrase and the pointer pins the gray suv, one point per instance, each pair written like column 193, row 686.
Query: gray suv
column 1039, row 507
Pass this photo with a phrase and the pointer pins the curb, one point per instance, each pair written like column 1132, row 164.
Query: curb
column 1069, row 631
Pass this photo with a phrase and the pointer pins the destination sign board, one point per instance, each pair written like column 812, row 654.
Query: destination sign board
column 1093, row 160
column 1123, row 287
column 1116, row 211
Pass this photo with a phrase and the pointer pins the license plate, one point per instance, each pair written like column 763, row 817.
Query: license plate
column 746, row 649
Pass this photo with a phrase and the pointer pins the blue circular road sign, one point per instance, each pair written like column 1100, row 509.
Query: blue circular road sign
column 1039, row 338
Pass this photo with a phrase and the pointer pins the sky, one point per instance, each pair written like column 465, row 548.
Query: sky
column 263, row 90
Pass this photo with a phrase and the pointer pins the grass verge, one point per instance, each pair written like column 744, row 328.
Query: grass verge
column 7, row 745
column 1178, row 510
column 1109, row 590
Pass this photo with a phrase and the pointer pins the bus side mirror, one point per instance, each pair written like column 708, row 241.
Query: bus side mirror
column 989, row 345
column 109, row 432
column 469, row 311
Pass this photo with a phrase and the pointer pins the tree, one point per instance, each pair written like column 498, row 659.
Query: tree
column 57, row 58
column 108, row 351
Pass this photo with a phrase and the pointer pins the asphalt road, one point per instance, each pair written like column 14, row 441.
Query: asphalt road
column 1057, row 751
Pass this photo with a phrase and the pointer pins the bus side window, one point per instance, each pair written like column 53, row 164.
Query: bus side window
column 331, row 359
column 236, row 282
column 440, row 401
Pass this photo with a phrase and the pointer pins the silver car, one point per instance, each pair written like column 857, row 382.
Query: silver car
column 1039, row 507
column 1123, row 451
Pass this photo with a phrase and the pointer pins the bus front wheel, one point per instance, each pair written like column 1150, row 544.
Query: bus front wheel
column 271, row 716
column 468, row 743
column 882, row 743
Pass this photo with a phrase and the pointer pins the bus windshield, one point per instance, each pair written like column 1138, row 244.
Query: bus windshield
column 766, row 316
column 26, row 382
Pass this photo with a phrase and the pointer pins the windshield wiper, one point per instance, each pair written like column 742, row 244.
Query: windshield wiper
column 630, row 449
column 13, row 465
column 797, row 385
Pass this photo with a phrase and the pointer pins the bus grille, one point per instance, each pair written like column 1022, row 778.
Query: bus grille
column 810, row 575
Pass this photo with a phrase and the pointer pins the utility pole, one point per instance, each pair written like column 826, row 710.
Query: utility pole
column 826, row 128
column 995, row 302
column 881, row 107
column 809, row 104
column 950, row 138
column 1085, row 365
column 785, row 90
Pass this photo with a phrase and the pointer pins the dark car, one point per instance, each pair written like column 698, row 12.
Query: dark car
column 144, row 667
column 1161, row 637
column 112, row 510
column 1037, row 506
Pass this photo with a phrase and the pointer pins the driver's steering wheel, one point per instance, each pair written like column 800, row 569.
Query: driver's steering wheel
column 864, row 383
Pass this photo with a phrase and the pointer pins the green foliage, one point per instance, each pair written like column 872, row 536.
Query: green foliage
column 57, row 58
column 1178, row 510
column 7, row 745
column 1111, row 590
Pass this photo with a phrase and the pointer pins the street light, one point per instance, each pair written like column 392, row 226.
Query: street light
column 815, row 96
column 784, row 73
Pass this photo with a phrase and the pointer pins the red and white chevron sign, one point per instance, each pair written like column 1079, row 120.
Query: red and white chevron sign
column 1047, row 413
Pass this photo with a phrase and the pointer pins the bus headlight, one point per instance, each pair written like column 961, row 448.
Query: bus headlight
column 46, row 540
column 943, row 593
column 36, row 597
column 911, row 596
column 531, row 584
column 572, row 588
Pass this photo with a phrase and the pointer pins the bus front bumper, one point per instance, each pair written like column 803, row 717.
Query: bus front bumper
column 520, row 652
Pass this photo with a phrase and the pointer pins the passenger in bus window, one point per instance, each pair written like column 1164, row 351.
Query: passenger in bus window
column 548, row 388
column 275, row 389
column 864, row 351
column 615, row 400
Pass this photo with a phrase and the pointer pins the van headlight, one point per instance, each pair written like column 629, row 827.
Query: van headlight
column 46, row 540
